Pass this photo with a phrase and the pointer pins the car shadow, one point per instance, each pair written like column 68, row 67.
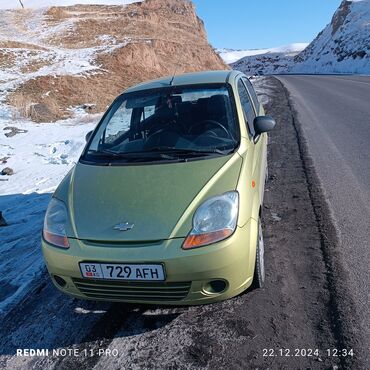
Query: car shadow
column 49, row 319
column 21, row 260
column 34, row 313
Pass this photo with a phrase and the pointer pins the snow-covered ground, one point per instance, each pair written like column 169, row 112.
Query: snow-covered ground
column 230, row 56
column 40, row 156
column 263, row 88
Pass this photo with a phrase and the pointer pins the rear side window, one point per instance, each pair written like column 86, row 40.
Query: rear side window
column 248, row 111
column 252, row 93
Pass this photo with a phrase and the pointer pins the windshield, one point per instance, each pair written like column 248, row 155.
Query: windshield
column 166, row 124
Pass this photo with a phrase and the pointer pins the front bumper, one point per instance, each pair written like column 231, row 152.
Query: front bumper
column 189, row 271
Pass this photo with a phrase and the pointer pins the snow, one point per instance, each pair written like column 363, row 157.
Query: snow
column 263, row 88
column 34, row 154
column 230, row 56
column 40, row 158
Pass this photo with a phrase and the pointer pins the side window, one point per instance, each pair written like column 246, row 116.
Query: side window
column 147, row 112
column 248, row 111
column 252, row 93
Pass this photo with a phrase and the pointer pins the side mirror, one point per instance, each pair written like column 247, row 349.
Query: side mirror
column 263, row 124
column 88, row 135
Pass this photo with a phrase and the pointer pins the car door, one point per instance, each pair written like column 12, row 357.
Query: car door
column 263, row 139
column 251, row 106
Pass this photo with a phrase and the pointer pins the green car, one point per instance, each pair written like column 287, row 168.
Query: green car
column 164, row 204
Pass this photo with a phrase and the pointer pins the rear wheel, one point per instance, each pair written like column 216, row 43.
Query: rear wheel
column 259, row 268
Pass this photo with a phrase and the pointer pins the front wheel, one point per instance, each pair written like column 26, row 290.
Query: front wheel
column 259, row 269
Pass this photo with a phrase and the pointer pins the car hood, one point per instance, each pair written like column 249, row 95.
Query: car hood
column 154, row 198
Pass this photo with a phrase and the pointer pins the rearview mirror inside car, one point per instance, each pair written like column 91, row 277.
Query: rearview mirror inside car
column 263, row 124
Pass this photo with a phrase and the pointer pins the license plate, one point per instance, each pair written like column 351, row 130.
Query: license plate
column 122, row 271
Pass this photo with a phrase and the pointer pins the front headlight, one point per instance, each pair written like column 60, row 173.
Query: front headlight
column 214, row 220
column 54, row 224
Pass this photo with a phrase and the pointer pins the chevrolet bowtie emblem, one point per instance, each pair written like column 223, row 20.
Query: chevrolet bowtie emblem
column 123, row 226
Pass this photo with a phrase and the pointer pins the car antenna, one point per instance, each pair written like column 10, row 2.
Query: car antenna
column 173, row 77
column 177, row 66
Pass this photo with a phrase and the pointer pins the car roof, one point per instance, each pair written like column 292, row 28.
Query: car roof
column 206, row 77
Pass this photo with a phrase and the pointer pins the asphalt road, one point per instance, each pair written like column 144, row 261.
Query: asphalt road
column 334, row 114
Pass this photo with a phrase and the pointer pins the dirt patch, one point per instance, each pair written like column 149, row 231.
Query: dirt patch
column 25, row 106
column 61, row 92
column 7, row 59
column 56, row 14
column 10, row 44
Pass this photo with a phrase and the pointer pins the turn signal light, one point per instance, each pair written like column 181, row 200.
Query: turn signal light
column 57, row 240
column 199, row 240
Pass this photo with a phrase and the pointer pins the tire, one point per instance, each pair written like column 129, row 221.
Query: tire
column 259, row 268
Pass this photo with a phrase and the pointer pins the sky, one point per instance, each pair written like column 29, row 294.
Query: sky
column 256, row 24
column 242, row 24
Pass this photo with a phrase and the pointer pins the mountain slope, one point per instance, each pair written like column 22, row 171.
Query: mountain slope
column 231, row 56
column 343, row 46
column 268, row 61
column 52, row 60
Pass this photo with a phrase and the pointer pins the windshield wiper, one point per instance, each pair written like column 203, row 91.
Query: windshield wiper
column 131, row 155
column 160, row 153
column 169, row 149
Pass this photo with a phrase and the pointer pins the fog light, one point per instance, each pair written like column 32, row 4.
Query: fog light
column 60, row 281
column 215, row 286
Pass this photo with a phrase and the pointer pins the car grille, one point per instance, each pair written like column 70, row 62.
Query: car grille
column 156, row 291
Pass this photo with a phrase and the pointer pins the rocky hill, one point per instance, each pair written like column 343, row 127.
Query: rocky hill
column 54, row 60
column 342, row 47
